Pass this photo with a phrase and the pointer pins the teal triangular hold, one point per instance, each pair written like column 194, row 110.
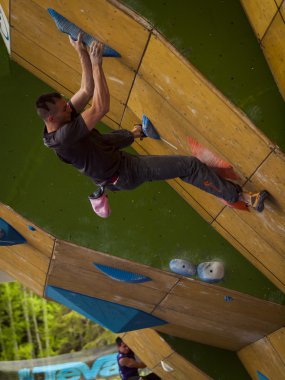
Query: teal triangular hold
column 113, row 316
column 8, row 234
column 148, row 128
column 261, row 376
column 122, row 275
column 71, row 29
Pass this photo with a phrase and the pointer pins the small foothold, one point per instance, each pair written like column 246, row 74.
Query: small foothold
column 228, row 298
column 31, row 228
column 166, row 366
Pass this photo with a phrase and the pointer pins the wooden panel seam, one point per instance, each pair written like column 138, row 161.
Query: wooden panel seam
column 250, row 254
column 269, row 26
column 51, row 262
column 136, row 74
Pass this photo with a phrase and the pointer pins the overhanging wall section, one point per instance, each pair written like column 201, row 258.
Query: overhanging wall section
column 267, row 19
column 41, row 48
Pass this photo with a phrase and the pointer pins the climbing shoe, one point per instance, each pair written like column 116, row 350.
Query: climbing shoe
column 257, row 200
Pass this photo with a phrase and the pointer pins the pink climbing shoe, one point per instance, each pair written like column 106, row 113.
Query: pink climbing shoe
column 100, row 203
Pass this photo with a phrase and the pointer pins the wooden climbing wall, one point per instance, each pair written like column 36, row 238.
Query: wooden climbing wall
column 267, row 19
column 193, row 309
column 153, row 78
column 43, row 50
column 5, row 6
column 152, row 349
column 28, row 262
column 266, row 356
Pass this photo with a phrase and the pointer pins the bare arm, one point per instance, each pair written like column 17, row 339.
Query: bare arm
column 101, row 97
column 131, row 363
column 82, row 97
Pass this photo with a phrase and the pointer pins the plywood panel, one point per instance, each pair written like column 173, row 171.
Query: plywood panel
column 38, row 239
column 261, row 356
column 71, row 262
column 114, row 25
column 148, row 345
column 53, row 71
column 266, row 230
column 5, row 7
column 230, row 325
column 274, row 51
column 277, row 339
column 203, row 106
column 182, row 369
column 198, row 309
column 14, row 269
column 151, row 348
column 260, row 14
column 83, row 258
column 249, row 253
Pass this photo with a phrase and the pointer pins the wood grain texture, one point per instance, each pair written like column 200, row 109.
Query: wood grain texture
column 198, row 310
column 5, row 6
column 151, row 348
column 264, row 357
column 28, row 262
column 212, row 320
column 274, row 49
column 260, row 14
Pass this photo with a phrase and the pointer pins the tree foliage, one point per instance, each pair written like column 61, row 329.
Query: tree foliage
column 31, row 327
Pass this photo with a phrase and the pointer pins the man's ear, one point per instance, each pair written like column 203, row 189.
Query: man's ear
column 50, row 118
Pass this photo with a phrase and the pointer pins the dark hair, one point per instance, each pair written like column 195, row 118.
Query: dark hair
column 119, row 341
column 42, row 106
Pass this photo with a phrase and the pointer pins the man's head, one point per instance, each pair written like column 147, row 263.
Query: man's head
column 122, row 347
column 53, row 109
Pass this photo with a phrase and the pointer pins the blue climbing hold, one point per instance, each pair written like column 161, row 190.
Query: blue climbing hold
column 111, row 315
column 261, row 376
column 31, row 228
column 73, row 30
column 149, row 129
column 228, row 298
column 122, row 275
column 183, row 267
column 8, row 234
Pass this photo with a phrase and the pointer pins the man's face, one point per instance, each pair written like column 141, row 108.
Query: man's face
column 124, row 349
column 61, row 111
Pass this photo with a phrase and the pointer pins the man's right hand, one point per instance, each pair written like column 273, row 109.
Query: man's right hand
column 96, row 52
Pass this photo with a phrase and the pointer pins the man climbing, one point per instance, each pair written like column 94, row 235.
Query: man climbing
column 70, row 132
column 129, row 365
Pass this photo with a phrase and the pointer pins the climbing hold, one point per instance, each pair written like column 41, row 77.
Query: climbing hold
column 166, row 367
column 228, row 298
column 183, row 267
column 73, row 30
column 122, row 275
column 8, row 234
column 149, row 129
column 31, row 228
column 261, row 376
column 212, row 271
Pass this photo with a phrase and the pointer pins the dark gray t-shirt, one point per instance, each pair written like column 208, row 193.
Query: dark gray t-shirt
column 86, row 150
